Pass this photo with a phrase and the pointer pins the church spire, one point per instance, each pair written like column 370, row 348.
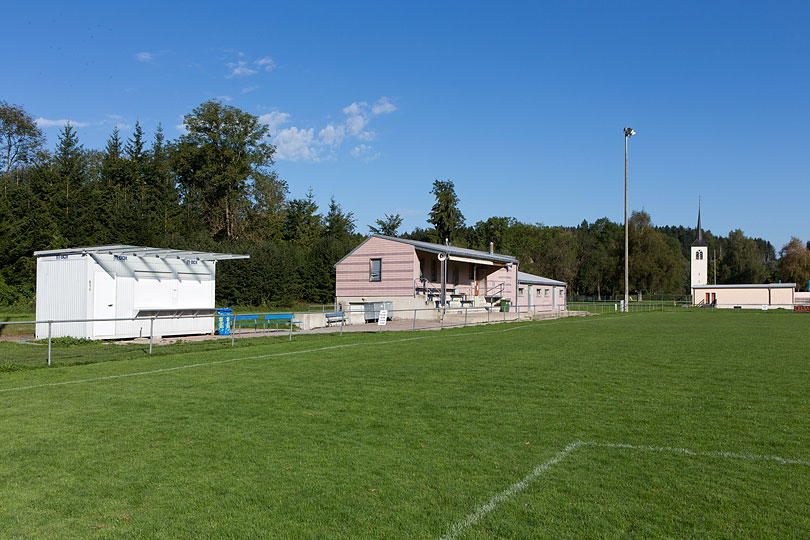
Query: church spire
column 699, row 241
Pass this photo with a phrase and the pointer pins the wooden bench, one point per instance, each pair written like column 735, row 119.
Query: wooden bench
column 336, row 317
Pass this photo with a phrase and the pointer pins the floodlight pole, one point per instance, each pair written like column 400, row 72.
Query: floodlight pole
column 628, row 132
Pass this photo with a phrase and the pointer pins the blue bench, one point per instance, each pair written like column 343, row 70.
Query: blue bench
column 336, row 317
column 246, row 320
column 240, row 321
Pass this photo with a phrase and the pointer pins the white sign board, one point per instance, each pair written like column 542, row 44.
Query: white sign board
column 383, row 317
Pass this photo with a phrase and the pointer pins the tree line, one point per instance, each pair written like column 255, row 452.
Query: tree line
column 215, row 188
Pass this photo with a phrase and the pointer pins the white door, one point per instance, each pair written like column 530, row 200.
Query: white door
column 103, row 304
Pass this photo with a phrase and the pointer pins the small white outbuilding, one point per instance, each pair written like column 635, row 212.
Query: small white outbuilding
column 102, row 283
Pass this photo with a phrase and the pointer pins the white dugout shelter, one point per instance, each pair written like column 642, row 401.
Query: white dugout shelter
column 175, row 287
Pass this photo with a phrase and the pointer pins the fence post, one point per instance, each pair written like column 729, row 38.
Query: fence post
column 151, row 332
column 488, row 315
column 465, row 317
column 291, row 325
column 233, row 329
column 49, row 342
column 442, row 324
column 342, row 322
column 414, row 320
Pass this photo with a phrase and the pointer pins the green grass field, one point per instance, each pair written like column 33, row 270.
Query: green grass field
column 469, row 433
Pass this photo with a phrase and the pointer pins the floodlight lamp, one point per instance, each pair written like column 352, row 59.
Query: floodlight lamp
column 628, row 132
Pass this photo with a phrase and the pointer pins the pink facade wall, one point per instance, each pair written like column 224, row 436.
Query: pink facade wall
column 508, row 276
column 554, row 300
column 400, row 268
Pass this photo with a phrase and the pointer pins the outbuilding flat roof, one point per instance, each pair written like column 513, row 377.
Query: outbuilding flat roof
column 531, row 279
column 141, row 251
column 748, row 286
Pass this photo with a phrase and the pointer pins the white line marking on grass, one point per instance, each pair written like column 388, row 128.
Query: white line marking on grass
column 687, row 452
column 476, row 516
column 485, row 509
column 279, row 354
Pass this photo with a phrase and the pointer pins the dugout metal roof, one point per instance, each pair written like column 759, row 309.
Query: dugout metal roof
column 143, row 252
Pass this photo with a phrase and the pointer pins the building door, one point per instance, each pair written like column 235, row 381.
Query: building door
column 714, row 298
column 708, row 301
column 103, row 304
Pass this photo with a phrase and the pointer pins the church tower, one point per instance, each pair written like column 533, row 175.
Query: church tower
column 700, row 260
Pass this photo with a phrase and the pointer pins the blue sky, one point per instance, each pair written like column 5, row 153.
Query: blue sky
column 522, row 105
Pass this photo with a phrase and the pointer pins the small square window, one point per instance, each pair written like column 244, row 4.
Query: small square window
column 561, row 293
column 520, row 291
column 539, row 291
column 375, row 270
column 547, row 292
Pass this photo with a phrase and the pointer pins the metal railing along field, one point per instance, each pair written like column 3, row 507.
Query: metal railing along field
column 17, row 338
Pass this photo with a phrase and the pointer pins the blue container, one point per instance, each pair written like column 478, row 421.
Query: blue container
column 224, row 316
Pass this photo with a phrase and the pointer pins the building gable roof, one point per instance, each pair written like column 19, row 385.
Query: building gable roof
column 439, row 248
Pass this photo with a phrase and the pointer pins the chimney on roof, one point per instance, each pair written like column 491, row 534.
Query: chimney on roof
column 491, row 248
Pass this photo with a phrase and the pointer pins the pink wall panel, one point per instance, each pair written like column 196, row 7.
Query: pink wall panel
column 398, row 270
column 507, row 275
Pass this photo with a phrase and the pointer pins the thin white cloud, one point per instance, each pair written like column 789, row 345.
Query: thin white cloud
column 44, row 122
column 274, row 119
column 117, row 120
column 249, row 89
column 144, row 56
column 383, row 106
column 181, row 128
column 225, row 98
column 365, row 152
column 295, row 144
column 266, row 63
column 332, row 135
column 239, row 69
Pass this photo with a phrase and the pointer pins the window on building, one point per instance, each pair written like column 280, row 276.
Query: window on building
column 547, row 292
column 375, row 270
column 561, row 291
column 520, row 291
column 539, row 291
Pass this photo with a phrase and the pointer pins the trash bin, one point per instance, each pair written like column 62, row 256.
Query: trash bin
column 224, row 321
column 505, row 305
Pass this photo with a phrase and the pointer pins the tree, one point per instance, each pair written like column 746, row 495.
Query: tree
column 302, row 223
column 388, row 226
column 71, row 163
column 742, row 261
column 445, row 215
column 339, row 225
column 656, row 263
column 794, row 263
column 21, row 140
column 217, row 160
column 162, row 198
